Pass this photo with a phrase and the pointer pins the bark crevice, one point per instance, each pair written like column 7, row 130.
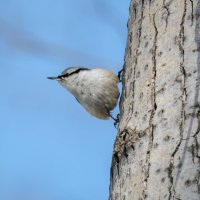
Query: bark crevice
column 154, row 107
column 136, row 62
column 181, row 39
column 196, row 102
column 166, row 7
column 192, row 12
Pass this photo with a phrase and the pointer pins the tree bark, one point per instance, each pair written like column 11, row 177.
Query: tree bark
column 157, row 149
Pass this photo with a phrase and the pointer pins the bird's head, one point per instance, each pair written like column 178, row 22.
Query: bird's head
column 67, row 74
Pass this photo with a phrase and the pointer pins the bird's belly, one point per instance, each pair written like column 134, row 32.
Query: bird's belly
column 94, row 107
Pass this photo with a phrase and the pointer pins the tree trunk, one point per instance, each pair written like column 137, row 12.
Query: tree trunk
column 157, row 149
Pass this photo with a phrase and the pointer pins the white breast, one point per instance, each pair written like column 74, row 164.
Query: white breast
column 96, row 90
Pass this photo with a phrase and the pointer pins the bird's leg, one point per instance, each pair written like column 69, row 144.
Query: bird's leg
column 115, row 119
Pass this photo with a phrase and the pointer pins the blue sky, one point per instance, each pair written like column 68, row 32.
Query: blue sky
column 50, row 148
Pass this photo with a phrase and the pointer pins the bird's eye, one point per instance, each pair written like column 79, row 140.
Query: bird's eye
column 64, row 75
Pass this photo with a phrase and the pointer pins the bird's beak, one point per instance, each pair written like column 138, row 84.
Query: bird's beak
column 54, row 78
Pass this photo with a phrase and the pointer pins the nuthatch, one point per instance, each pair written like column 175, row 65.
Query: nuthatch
column 95, row 89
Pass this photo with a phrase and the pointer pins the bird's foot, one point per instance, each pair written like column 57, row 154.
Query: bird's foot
column 120, row 74
column 116, row 120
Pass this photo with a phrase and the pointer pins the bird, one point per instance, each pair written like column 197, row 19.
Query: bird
column 96, row 89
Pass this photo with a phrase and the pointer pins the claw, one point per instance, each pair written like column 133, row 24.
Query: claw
column 116, row 120
column 116, row 124
column 120, row 74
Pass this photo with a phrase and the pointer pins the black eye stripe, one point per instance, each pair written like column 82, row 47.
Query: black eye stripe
column 75, row 72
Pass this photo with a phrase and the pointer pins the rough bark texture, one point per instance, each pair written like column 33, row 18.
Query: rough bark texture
column 157, row 149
